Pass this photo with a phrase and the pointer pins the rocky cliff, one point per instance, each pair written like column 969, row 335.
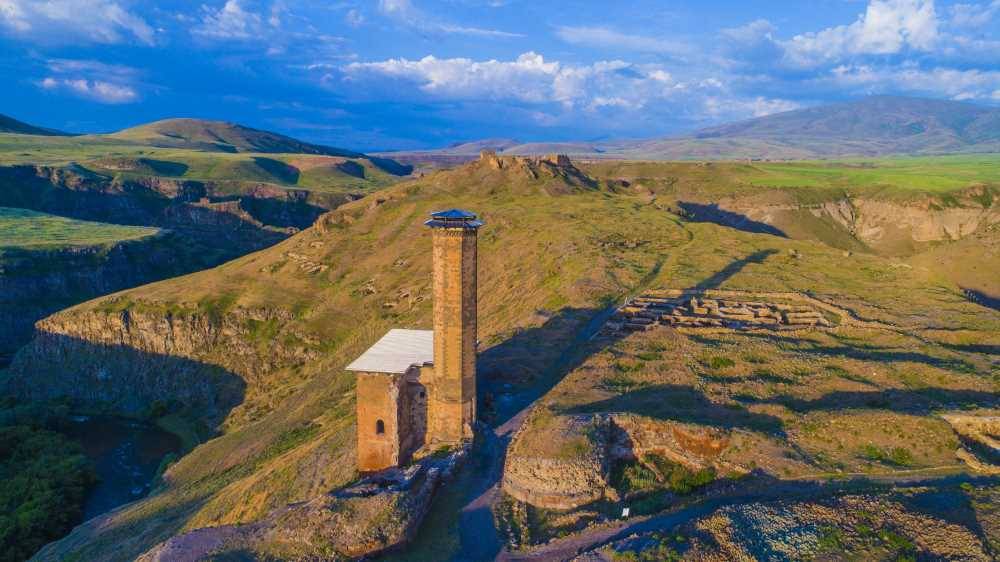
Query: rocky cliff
column 209, row 223
column 240, row 207
column 37, row 282
column 886, row 225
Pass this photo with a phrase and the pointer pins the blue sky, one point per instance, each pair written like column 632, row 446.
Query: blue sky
column 383, row 74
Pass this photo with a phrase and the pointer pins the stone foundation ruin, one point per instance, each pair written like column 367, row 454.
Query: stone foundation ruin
column 721, row 309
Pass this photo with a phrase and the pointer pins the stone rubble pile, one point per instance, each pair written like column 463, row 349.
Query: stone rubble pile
column 306, row 264
column 648, row 311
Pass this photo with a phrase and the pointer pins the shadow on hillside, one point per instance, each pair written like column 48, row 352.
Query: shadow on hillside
column 699, row 212
column 525, row 366
column 880, row 355
column 121, row 379
column 682, row 404
column 861, row 351
column 982, row 298
column 982, row 348
column 278, row 169
column 919, row 401
column 718, row 278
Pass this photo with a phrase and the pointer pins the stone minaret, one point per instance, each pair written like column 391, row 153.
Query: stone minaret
column 451, row 406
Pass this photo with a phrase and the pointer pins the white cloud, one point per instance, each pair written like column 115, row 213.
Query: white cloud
column 606, row 38
column 404, row 12
column 93, row 80
column 354, row 18
column 554, row 93
column 938, row 82
column 723, row 108
column 66, row 21
column 974, row 15
column 231, row 22
column 886, row 27
column 97, row 90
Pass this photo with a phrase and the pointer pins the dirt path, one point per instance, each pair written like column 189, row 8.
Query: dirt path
column 480, row 539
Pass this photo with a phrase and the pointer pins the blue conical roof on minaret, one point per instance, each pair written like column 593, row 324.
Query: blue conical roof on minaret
column 453, row 218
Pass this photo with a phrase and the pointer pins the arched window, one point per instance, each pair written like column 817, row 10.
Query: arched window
column 379, row 427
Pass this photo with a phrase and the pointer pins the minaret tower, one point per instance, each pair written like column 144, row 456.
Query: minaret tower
column 451, row 406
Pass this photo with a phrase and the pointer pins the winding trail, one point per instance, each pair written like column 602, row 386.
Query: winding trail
column 477, row 529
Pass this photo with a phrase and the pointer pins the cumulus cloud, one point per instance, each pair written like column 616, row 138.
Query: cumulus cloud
column 406, row 13
column 529, row 78
column 554, row 93
column 65, row 21
column 886, row 27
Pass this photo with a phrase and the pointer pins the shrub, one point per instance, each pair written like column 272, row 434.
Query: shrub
column 718, row 362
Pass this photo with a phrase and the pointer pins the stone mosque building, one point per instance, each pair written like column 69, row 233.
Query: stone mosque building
column 417, row 388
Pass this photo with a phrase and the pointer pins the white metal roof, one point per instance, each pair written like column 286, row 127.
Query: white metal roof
column 396, row 352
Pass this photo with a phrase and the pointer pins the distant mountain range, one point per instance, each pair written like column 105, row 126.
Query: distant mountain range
column 874, row 126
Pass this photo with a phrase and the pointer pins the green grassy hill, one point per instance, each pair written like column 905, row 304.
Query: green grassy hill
column 257, row 347
column 220, row 136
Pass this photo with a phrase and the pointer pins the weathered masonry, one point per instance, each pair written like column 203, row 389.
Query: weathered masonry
column 417, row 388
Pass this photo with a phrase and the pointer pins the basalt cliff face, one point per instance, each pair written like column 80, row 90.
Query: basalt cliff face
column 35, row 283
column 207, row 224
column 229, row 208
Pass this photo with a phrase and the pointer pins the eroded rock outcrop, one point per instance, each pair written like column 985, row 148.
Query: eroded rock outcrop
column 378, row 514
column 884, row 224
column 565, row 462
column 126, row 357
column 552, row 166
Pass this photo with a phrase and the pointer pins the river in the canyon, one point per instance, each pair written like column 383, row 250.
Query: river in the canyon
column 126, row 455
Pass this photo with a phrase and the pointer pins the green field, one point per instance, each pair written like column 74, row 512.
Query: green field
column 20, row 228
column 932, row 174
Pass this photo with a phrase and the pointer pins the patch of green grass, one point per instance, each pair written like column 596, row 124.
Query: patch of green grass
column 24, row 229
column 897, row 456
column 754, row 358
column 831, row 539
column 215, row 307
column 656, row 473
column 717, row 362
column 620, row 383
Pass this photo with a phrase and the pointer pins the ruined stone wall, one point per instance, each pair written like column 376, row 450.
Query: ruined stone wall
column 452, row 389
column 414, row 411
column 379, row 399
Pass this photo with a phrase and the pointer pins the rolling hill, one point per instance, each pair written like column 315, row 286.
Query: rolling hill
column 13, row 126
column 221, row 136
